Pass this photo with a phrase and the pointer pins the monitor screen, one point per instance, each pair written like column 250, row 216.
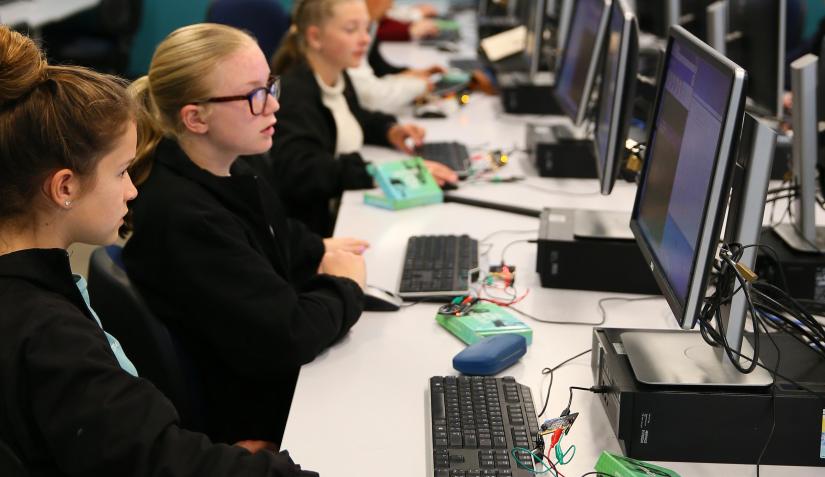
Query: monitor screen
column 580, row 57
column 616, row 93
column 681, row 197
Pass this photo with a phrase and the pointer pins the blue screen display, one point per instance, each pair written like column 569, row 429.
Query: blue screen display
column 578, row 54
column 682, row 156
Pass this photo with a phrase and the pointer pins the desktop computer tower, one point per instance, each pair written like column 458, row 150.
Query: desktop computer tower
column 556, row 153
column 804, row 272
column 521, row 94
column 575, row 260
column 703, row 424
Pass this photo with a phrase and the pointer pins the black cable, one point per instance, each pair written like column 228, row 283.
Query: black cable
column 597, row 473
column 550, row 372
column 570, row 399
column 773, row 399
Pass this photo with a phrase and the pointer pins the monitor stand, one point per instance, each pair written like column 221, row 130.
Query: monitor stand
column 789, row 234
column 591, row 250
column 682, row 358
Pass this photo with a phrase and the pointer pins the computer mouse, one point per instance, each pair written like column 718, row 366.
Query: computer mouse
column 430, row 114
column 378, row 299
column 449, row 186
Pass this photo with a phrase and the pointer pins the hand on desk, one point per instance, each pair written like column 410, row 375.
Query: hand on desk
column 423, row 28
column 441, row 173
column 345, row 264
column 399, row 134
column 425, row 73
column 257, row 446
column 347, row 244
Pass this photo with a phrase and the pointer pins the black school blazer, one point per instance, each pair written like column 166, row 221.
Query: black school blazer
column 306, row 171
column 66, row 406
column 218, row 261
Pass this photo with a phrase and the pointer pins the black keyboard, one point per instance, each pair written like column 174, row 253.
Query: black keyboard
column 476, row 422
column 438, row 267
column 452, row 154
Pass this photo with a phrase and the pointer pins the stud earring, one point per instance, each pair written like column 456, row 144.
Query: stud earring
column 68, row 203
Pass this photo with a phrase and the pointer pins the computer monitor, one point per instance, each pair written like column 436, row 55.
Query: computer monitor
column 681, row 198
column 756, row 41
column 616, row 94
column 680, row 206
column 580, row 59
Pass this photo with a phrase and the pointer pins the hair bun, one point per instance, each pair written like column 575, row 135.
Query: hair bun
column 22, row 65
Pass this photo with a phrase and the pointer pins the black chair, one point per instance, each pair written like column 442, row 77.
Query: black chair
column 10, row 465
column 266, row 20
column 156, row 353
column 100, row 38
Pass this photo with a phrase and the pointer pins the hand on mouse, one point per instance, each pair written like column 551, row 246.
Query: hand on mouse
column 441, row 173
column 348, row 244
column 398, row 135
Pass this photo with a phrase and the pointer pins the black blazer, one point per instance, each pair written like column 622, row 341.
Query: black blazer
column 66, row 406
column 380, row 66
column 306, row 171
column 216, row 259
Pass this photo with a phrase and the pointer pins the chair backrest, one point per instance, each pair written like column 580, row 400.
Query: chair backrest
column 156, row 353
column 10, row 465
column 266, row 20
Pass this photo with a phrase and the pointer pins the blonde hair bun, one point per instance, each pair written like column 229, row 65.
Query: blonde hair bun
column 22, row 66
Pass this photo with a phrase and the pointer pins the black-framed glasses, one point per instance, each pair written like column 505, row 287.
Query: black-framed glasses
column 256, row 98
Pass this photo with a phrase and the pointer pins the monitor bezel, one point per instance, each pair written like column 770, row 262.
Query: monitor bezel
column 716, row 199
column 621, row 108
column 581, row 103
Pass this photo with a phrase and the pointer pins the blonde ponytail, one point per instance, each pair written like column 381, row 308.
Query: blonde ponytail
column 289, row 53
column 305, row 13
column 148, row 127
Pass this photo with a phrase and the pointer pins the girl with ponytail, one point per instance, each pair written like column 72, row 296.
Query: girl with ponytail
column 252, row 294
column 322, row 125
column 71, row 401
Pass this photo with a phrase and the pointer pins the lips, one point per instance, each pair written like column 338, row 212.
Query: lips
column 269, row 129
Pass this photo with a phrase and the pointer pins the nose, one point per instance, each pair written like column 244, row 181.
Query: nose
column 272, row 104
column 131, row 190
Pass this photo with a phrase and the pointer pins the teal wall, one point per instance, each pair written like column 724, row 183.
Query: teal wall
column 161, row 17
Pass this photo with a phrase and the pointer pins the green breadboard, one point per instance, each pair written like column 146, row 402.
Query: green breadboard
column 483, row 320
column 405, row 183
column 621, row 466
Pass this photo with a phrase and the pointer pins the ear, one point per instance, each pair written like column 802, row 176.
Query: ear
column 313, row 37
column 62, row 188
column 194, row 118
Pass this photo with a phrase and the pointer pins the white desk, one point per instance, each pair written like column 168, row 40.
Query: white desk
column 36, row 13
column 361, row 408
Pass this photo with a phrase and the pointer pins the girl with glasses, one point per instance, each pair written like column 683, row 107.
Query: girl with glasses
column 71, row 401
column 322, row 124
column 251, row 294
